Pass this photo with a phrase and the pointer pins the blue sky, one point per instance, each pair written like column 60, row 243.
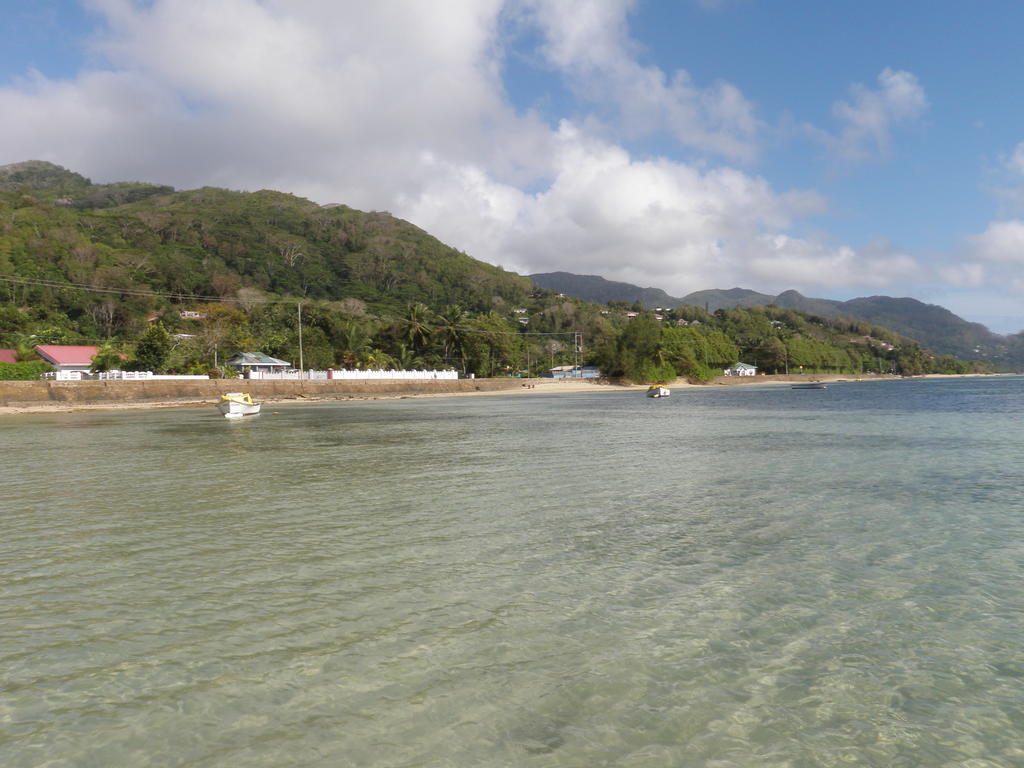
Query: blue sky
column 841, row 148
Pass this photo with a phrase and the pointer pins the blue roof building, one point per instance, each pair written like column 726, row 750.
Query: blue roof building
column 254, row 361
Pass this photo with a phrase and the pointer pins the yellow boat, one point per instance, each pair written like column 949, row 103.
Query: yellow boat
column 235, row 405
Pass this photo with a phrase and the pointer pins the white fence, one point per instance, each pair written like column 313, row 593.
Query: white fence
column 119, row 376
column 286, row 375
column 64, row 375
column 354, row 375
column 387, row 375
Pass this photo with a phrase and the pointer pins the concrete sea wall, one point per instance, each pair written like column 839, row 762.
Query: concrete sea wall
column 28, row 393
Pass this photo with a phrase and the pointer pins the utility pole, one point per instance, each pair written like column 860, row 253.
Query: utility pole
column 577, row 339
column 302, row 367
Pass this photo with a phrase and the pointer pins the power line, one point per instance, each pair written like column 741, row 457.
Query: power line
column 137, row 291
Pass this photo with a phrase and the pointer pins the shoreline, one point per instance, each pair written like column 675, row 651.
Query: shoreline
column 534, row 386
column 525, row 387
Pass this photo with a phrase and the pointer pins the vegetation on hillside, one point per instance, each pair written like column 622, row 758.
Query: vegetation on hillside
column 180, row 281
column 692, row 343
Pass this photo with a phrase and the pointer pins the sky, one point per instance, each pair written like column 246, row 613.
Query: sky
column 844, row 148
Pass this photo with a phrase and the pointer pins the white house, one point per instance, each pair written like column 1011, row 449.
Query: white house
column 67, row 358
column 254, row 361
column 741, row 369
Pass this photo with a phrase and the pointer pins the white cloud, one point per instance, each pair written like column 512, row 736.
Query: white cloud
column 965, row 275
column 867, row 120
column 297, row 95
column 1015, row 162
column 590, row 43
column 987, row 279
column 786, row 261
column 1001, row 242
column 401, row 107
column 650, row 222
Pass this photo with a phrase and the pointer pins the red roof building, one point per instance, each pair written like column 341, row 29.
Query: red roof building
column 8, row 356
column 66, row 358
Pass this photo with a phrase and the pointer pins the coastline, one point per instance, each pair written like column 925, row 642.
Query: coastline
column 484, row 387
column 519, row 387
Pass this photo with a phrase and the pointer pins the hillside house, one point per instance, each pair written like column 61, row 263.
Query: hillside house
column 67, row 358
column 8, row 356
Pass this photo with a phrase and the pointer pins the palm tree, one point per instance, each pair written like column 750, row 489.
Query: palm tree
column 405, row 359
column 415, row 328
column 452, row 331
column 354, row 341
column 375, row 360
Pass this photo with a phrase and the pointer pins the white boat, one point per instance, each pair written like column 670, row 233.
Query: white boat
column 235, row 405
column 657, row 391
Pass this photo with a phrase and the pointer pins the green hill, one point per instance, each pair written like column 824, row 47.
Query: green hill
column 59, row 227
column 932, row 326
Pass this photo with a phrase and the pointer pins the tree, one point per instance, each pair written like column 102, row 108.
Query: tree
column 25, row 352
column 106, row 359
column 491, row 345
column 220, row 324
column 452, row 331
column 405, row 360
column 12, row 323
column 415, row 328
column 772, row 354
column 375, row 360
column 637, row 353
column 152, row 350
column 352, row 342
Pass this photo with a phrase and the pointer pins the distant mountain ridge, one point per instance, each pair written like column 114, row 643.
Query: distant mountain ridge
column 933, row 326
column 600, row 291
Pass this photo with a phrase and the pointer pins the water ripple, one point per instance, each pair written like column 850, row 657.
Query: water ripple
column 725, row 578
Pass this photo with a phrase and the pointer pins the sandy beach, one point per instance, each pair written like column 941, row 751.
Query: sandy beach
column 532, row 386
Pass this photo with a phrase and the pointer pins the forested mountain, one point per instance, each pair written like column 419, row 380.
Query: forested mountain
column 932, row 326
column 180, row 280
column 213, row 242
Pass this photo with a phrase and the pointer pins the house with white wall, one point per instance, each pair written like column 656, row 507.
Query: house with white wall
column 67, row 358
column 257, row 362
column 741, row 369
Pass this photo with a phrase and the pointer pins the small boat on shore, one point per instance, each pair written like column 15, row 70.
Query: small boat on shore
column 813, row 385
column 235, row 405
column 656, row 391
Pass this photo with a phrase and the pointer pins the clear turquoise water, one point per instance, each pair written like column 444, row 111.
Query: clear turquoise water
column 749, row 576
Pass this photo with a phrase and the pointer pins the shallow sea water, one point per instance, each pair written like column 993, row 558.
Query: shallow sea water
column 743, row 576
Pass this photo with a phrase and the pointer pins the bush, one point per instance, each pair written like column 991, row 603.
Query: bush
column 23, row 371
